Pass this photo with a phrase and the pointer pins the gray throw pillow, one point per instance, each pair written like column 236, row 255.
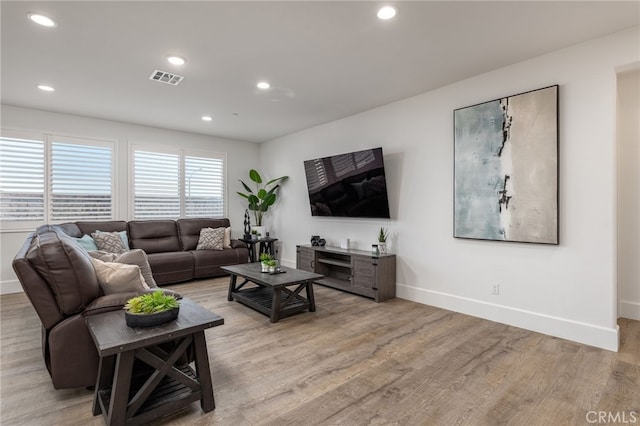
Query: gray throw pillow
column 109, row 241
column 211, row 239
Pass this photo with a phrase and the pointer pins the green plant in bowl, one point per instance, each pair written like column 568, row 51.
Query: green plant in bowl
column 151, row 303
column 151, row 309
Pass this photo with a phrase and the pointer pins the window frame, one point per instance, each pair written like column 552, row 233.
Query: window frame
column 182, row 153
column 47, row 140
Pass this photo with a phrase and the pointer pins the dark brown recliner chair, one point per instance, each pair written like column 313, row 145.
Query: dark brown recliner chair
column 60, row 282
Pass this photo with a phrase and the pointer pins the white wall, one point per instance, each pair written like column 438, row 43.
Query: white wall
column 241, row 156
column 629, row 194
column 568, row 290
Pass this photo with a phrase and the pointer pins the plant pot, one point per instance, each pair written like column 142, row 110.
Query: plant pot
column 150, row 320
column 264, row 267
column 261, row 230
column 382, row 248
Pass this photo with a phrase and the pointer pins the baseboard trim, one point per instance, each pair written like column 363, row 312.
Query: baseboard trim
column 589, row 334
column 10, row 286
column 629, row 309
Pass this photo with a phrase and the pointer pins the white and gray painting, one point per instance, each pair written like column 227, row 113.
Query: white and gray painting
column 506, row 169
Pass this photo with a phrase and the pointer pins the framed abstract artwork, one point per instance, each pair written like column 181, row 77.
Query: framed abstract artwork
column 506, row 169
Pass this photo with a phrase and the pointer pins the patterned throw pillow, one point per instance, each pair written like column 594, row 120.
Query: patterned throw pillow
column 211, row 239
column 109, row 241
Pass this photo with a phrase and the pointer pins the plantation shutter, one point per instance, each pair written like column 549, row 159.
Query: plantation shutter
column 21, row 180
column 81, row 182
column 203, row 187
column 156, row 185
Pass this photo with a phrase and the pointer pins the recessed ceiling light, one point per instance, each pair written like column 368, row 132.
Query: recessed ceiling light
column 387, row 12
column 39, row 19
column 45, row 88
column 176, row 60
column 207, row 118
column 263, row 85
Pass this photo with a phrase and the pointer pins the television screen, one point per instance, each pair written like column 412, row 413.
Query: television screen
column 348, row 185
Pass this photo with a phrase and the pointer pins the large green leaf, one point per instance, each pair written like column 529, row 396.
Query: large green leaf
column 262, row 193
column 283, row 178
column 255, row 176
column 246, row 187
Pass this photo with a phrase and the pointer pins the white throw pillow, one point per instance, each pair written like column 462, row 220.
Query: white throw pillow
column 119, row 277
column 227, row 238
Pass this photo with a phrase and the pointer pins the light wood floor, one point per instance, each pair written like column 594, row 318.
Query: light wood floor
column 353, row 362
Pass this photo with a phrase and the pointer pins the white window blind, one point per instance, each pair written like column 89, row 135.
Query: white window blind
column 81, row 182
column 203, row 187
column 21, row 180
column 156, row 185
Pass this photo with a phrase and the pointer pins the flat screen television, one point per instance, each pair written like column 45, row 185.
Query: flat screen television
column 348, row 185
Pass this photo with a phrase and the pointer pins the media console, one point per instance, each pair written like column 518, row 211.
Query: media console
column 355, row 271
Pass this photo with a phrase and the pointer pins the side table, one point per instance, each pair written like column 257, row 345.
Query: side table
column 258, row 246
column 139, row 395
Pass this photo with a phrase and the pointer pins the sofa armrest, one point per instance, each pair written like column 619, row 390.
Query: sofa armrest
column 238, row 244
column 108, row 303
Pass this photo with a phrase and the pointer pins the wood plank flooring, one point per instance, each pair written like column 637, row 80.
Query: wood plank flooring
column 353, row 362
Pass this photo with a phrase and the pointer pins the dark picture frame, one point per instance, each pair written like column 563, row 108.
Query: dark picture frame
column 506, row 169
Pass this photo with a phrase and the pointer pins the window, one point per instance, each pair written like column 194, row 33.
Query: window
column 170, row 185
column 21, row 180
column 54, row 180
column 204, row 187
column 81, row 182
column 156, row 185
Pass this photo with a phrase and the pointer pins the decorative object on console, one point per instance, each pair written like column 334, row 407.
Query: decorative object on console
column 151, row 309
column 316, row 241
column 382, row 240
column 506, row 169
column 264, row 197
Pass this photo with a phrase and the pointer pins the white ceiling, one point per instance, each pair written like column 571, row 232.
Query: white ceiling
column 325, row 60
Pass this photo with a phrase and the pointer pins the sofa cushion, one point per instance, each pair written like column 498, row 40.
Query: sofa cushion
column 208, row 262
column 189, row 230
column 154, row 236
column 104, row 226
column 67, row 269
column 211, row 239
column 171, row 267
column 119, row 277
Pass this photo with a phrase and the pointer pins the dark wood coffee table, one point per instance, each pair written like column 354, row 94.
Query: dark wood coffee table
column 139, row 395
column 270, row 294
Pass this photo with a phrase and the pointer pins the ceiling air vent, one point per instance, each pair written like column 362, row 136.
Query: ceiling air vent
column 166, row 77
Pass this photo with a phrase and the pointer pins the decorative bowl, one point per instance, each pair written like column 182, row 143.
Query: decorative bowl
column 150, row 320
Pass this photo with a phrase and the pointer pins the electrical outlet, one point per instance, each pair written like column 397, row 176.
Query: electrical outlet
column 495, row 289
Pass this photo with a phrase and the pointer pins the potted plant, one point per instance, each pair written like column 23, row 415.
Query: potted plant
column 265, row 259
column 271, row 265
column 151, row 309
column 263, row 197
column 382, row 240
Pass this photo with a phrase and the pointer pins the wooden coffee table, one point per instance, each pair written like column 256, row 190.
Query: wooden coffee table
column 271, row 294
column 139, row 395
